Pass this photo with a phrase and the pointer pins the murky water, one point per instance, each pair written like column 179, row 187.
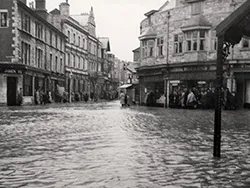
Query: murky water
column 104, row 146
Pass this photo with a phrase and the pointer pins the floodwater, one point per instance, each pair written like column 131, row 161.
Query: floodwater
column 102, row 145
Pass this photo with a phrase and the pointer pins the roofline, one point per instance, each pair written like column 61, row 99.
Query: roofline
column 234, row 18
column 150, row 12
column 24, row 6
column 79, row 26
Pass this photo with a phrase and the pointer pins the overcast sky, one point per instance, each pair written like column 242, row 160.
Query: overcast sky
column 117, row 19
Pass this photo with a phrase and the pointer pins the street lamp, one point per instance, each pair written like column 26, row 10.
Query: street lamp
column 70, row 76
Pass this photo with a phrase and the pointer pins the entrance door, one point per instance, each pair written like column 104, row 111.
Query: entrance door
column 240, row 94
column 11, row 91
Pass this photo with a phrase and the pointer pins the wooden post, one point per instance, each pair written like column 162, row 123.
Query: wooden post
column 218, row 93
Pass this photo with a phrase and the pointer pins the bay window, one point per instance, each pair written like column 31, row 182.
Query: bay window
column 195, row 40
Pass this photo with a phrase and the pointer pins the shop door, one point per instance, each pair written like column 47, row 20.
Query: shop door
column 11, row 91
column 240, row 94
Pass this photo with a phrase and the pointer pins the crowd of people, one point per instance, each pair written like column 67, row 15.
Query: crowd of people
column 203, row 98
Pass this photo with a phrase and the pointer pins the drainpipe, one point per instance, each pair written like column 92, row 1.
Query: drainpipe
column 166, row 85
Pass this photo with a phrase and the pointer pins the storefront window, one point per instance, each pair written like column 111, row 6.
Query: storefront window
column 27, row 85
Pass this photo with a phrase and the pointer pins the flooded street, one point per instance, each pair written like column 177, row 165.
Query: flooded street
column 102, row 145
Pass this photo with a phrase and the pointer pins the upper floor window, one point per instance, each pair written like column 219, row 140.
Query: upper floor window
column 196, row 40
column 56, row 41
column 196, row 7
column 178, row 43
column 26, row 23
column 39, row 55
column 25, row 51
column 160, row 46
column 3, row 18
column 74, row 38
column 39, row 30
column 61, row 65
column 50, row 37
column 69, row 36
column 83, row 43
column 79, row 41
column 245, row 43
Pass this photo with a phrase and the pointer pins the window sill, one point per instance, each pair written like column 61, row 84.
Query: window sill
column 245, row 49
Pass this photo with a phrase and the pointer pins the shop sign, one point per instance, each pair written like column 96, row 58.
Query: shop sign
column 174, row 81
column 201, row 82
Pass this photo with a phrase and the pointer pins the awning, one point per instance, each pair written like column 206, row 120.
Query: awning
column 125, row 86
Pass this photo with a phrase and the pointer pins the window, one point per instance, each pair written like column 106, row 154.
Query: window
column 178, row 43
column 27, row 85
column 50, row 37
column 56, row 64
column 151, row 44
column 79, row 62
column 160, row 46
column 74, row 38
column 69, row 59
column 61, row 65
column 245, row 43
column 74, row 61
column 56, row 41
column 79, row 41
column 144, row 49
column 196, row 8
column 51, row 61
column 3, row 18
column 83, row 43
column 25, row 51
column 26, row 23
column 39, row 54
column 39, row 30
column 196, row 40
column 69, row 36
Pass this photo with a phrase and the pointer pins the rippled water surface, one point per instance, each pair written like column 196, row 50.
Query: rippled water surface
column 104, row 146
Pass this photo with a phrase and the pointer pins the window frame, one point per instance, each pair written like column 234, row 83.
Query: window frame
column 4, row 11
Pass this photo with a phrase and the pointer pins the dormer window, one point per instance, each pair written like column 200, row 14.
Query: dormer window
column 196, row 7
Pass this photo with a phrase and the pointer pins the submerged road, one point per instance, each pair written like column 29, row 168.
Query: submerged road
column 102, row 145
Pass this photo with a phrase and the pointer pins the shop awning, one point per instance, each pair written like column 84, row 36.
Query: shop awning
column 125, row 86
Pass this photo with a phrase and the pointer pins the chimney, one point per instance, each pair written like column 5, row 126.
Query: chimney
column 24, row 1
column 41, row 8
column 64, row 8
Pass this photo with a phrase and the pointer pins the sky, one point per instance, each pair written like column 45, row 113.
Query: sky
column 117, row 19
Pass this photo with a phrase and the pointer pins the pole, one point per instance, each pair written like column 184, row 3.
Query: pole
column 218, row 94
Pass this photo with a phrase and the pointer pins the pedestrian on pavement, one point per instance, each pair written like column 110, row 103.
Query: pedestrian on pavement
column 122, row 98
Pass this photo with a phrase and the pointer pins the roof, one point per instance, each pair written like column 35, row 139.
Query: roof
column 131, row 67
column 81, row 18
column 105, row 43
column 240, row 19
column 151, row 12
column 168, row 5
column 148, row 33
column 197, row 22
column 55, row 12
column 137, row 49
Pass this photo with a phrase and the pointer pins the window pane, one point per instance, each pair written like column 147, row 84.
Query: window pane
column 189, row 45
column 175, row 38
column 3, row 19
column 202, row 44
column 202, row 34
column 180, row 47
column 195, row 45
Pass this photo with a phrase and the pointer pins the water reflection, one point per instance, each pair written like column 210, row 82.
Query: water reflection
column 103, row 145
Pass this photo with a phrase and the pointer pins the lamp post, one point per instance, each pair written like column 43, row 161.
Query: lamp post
column 70, row 76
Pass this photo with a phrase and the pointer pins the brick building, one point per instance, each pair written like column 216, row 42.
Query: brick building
column 32, row 57
column 178, row 49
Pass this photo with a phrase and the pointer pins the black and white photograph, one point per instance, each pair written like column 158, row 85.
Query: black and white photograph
column 124, row 93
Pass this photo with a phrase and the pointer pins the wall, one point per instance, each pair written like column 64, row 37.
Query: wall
column 6, row 33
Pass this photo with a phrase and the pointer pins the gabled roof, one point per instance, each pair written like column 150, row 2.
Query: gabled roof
column 149, row 33
column 240, row 19
column 150, row 13
column 55, row 12
column 105, row 43
column 197, row 22
column 168, row 5
column 81, row 18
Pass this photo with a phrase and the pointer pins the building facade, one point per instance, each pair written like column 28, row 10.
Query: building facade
column 25, row 62
column 178, row 49
column 76, row 52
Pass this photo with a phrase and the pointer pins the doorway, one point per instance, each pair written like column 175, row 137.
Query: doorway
column 11, row 91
